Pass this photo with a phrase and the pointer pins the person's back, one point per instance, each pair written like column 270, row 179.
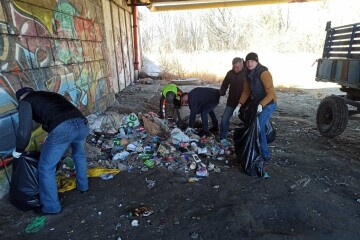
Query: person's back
column 50, row 109
column 200, row 98
column 203, row 101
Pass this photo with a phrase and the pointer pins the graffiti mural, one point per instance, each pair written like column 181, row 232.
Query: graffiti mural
column 125, row 47
column 53, row 45
column 56, row 47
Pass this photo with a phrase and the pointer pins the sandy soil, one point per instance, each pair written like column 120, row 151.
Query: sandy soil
column 313, row 191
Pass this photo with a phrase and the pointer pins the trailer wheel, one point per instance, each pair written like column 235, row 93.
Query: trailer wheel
column 332, row 116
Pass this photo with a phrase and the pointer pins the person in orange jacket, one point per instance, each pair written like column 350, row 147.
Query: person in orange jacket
column 259, row 86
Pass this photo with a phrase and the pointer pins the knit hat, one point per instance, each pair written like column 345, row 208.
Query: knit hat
column 170, row 96
column 22, row 91
column 252, row 56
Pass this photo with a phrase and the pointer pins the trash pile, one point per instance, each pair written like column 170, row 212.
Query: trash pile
column 139, row 142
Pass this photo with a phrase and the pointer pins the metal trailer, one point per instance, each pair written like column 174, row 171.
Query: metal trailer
column 339, row 64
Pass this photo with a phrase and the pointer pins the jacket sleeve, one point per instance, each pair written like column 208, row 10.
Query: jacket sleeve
column 246, row 93
column 25, row 126
column 224, row 85
column 267, row 82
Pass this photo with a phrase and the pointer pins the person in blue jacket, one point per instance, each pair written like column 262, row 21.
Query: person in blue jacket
column 202, row 101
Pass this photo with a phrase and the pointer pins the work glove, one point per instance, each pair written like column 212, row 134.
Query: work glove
column 16, row 154
column 190, row 130
column 236, row 111
column 259, row 109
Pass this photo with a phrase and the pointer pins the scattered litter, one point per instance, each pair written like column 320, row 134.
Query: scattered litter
column 142, row 211
column 118, row 226
column 193, row 179
column 151, row 183
column 358, row 200
column 301, row 182
column 216, row 186
column 122, row 155
column 194, row 235
column 140, row 142
column 202, row 172
column 134, row 223
column 196, row 158
column 107, row 176
column 266, row 175
column 36, row 225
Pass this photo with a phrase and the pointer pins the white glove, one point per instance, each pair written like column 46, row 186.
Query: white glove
column 259, row 110
column 189, row 130
column 16, row 154
column 236, row 111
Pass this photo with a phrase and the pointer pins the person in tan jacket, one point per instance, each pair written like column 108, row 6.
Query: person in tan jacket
column 259, row 86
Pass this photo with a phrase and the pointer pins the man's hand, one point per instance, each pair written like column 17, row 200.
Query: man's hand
column 16, row 154
column 259, row 109
column 190, row 130
column 236, row 111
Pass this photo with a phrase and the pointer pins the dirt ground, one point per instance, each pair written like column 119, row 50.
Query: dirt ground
column 313, row 191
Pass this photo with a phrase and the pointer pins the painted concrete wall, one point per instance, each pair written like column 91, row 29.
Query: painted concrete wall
column 61, row 46
column 82, row 49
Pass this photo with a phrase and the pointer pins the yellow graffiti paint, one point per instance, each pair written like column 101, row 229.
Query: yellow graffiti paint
column 49, row 4
column 43, row 15
column 5, row 50
column 2, row 17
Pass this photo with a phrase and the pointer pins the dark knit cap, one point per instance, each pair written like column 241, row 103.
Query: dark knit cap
column 170, row 96
column 22, row 91
column 252, row 56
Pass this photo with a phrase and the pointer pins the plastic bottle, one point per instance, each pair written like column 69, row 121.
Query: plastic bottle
column 122, row 131
column 194, row 146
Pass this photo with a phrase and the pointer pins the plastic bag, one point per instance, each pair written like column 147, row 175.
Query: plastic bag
column 270, row 132
column 248, row 112
column 132, row 120
column 248, row 149
column 24, row 186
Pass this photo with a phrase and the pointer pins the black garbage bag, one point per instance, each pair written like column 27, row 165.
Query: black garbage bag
column 248, row 149
column 24, row 186
column 247, row 115
column 248, row 111
column 270, row 132
column 247, row 142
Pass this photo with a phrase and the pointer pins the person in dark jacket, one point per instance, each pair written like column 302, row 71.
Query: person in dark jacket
column 259, row 86
column 66, row 126
column 234, row 80
column 201, row 101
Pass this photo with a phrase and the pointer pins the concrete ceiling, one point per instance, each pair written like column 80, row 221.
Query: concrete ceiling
column 168, row 5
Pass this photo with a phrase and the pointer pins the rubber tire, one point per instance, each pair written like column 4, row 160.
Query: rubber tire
column 332, row 116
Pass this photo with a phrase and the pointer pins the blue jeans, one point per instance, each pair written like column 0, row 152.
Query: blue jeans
column 263, row 118
column 225, row 121
column 204, row 117
column 72, row 133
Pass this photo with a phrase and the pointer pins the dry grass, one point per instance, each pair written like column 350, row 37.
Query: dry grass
column 295, row 70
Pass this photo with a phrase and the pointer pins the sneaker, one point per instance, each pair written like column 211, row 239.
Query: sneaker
column 40, row 212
